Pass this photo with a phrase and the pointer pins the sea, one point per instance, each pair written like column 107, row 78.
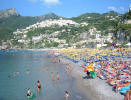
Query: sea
column 20, row 70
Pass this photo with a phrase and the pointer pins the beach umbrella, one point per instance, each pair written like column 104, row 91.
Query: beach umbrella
column 128, row 44
column 90, row 69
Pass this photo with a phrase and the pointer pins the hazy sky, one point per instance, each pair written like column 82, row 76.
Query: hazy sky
column 65, row 8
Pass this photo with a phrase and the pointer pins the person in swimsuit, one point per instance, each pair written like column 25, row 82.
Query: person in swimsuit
column 59, row 61
column 52, row 76
column 28, row 93
column 38, row 85
column 68, row 68
column 58, row 76
column 66, row 95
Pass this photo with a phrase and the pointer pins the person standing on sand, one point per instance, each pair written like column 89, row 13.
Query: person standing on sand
column 38, row 85
column 67, row 95
column 58, row 76
column 52, row 76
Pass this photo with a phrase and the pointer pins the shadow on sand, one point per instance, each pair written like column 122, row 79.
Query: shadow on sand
column 87, row 77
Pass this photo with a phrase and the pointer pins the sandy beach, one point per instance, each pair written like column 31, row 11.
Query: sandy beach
column 94, row 89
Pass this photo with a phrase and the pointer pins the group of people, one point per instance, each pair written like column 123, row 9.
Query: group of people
column 116, row 72
column 114, row 66
column 53, row 76
column 53, row 79
column 38, row 89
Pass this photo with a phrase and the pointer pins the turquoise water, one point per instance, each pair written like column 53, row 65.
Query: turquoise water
column 20, row 70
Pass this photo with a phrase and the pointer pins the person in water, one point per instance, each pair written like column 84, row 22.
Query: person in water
column 59, row 61
column 52, row 76
column 28, row 93
column 38, row 85
column 58, row 76
column 66, row 95
column 67, row 68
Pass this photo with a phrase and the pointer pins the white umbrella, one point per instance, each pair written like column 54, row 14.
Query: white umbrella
column 128, row 44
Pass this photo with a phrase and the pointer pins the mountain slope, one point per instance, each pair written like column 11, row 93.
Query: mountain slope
column 51, row 30
column 100, row 21
column 8, row 13
column 11, row 20
column 124, row 28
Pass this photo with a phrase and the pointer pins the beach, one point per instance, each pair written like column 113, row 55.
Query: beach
column 94, row 89
column 28, row 66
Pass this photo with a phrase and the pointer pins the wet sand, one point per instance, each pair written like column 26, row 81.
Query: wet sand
column 94, row 89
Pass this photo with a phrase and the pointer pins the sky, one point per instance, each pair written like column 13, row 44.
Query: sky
column 65, row 8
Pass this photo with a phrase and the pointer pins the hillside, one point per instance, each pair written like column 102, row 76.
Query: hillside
column 11, row 20
column 51, row 30
column 100, row 21
column 124, row 28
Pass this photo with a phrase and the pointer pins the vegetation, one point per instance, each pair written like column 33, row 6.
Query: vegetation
column 100, row 21
column 110, row 22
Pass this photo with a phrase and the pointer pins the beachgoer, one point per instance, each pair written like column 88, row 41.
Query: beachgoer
column 52, row 76
column 9, row 76
column 128, row 94
column 28, row 93
column 27, row 71
column 67, row 95
column 67, row 68
column 59, row 61
column 38, row 85
column 58, row 76
column 54, row 60
column 88, row 74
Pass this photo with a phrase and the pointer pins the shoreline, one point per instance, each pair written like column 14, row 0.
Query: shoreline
column 94, row 89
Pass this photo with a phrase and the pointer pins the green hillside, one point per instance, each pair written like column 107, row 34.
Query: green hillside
column 100, row 21
column 13, row 22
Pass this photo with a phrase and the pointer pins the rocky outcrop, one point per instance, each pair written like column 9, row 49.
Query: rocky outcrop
column 8, row 13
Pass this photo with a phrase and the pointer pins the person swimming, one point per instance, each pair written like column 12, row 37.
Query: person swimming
column 66, row 95
column 38, row 85
column 28, row 93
